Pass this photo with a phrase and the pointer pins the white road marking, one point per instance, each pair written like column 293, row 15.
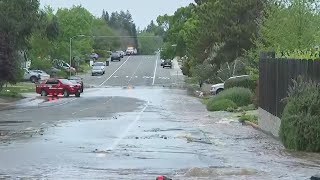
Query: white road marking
column 127, row 76
column 136, row 76
column 124, row 134
column 155, row 70
column 115, row 76
column 134, row 72
column 114, row 72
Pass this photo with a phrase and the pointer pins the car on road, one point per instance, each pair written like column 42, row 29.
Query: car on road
column 97, row 70
column 217, row 88
column 102, row 65
column 57, row 87
column 167, row 63
column 77, row 80
column 121, row 53
column 115, row 56
column 34, row 75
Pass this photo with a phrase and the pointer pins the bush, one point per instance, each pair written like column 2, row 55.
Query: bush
column 249, row 82
column 42, row 64
column 62, row 74
column 249, row 117
column 220, row 105
column 300, row 123
column 239, row 95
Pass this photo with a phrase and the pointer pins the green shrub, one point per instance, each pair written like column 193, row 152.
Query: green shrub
column 220, row 105
column 300, row 122
column 249, row 117
column 62, row 74
column 239, row 95
column 42, row 64
column 249, row 82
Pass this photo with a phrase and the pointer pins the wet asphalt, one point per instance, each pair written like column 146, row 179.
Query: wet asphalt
column 130, row 125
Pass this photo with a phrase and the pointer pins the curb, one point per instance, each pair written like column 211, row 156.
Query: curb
column 9, row 106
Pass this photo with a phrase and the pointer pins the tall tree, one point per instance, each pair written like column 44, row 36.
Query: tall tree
column 17, row 20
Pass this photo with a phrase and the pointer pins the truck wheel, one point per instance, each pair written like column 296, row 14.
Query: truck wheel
column 33, row 79
column 44, row 93
column 66, row 93
column 77, row 94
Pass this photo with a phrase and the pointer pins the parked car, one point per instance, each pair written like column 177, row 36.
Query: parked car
column 162, row 62
column 167, row 63
column 34, row 75
column 57, row 87
column 115, row 56
column 67, row 67
column 77, row 80
column 217, row 88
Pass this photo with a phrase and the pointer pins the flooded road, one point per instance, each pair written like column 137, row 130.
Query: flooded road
column 129, row 127
column 140, row 133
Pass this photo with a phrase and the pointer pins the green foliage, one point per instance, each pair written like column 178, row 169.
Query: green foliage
column 249, row 82
column 104, row 43
column 239, row 95
column 148, row 44
column 300, row 125
column 123, row 24
column 18, row 18
column 62, row 74
column 249, row 117
column 202, row 72
column 42, row 64
column 11, row 94
column 291, row 25
column 220, row 105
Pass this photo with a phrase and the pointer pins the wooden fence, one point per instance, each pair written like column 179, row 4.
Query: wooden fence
column 276, row 76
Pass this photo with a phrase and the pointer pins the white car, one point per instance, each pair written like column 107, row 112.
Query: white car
column 35, row 75
column 98, row 68
column 217, row 88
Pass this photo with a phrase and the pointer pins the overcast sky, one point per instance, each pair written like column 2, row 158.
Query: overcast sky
column 143, row 11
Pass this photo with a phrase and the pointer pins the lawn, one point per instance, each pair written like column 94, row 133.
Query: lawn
column 15, row 90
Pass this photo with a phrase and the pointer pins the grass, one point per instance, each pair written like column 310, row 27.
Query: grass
column 14, row 91
column 21, row 87
column 205, row 100
column 10, row 94
column 247, row 116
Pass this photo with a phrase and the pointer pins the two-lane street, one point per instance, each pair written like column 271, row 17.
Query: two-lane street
column 136, row 71
column 128, row 126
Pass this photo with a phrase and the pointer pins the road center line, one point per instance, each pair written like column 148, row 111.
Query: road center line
column 135, row 71
column 124, row 134
column 155, row 70
column 113, row 72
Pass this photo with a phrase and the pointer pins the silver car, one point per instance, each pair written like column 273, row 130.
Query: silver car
column 98, row 68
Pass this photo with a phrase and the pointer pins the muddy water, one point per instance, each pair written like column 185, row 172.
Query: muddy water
column 167, row 133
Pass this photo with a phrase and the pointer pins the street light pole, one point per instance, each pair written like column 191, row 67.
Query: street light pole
column 71, row 47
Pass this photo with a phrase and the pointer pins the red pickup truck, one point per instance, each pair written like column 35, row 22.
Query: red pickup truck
column 57, row 87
